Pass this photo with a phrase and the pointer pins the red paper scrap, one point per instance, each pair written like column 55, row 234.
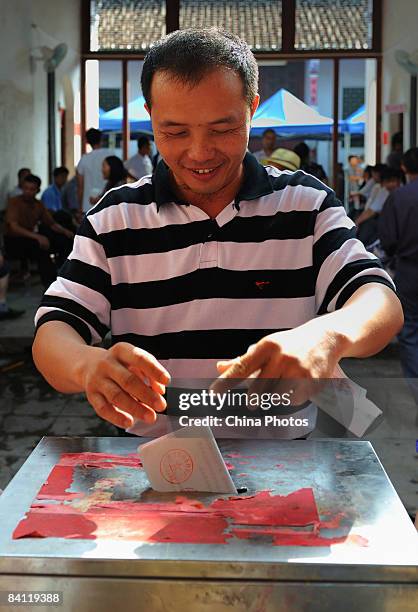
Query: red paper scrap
column 298, row 508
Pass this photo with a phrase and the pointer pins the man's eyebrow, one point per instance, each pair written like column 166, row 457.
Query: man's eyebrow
column 228, row 119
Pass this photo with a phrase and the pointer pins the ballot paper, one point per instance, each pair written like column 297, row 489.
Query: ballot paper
column 186, row 460
column 346, row 402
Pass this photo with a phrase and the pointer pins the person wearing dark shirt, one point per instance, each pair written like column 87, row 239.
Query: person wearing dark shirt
column 307, row 165
column 24, row 215
column 398, row 233
column 394, row 159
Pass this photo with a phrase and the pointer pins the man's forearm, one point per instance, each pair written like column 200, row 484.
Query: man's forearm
column 366, row 214
column 364, row 325
column 60, row 354
column 18, row 230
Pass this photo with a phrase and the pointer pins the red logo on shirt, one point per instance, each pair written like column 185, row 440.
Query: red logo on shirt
column 261, row 284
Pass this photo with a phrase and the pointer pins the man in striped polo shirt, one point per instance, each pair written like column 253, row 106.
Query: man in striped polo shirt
column 214, row 265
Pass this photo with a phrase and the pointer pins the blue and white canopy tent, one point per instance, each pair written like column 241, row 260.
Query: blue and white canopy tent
column 289, row 116
column 355, row 123
column 139, row 120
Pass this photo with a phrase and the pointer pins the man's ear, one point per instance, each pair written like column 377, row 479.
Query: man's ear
column 254, row 105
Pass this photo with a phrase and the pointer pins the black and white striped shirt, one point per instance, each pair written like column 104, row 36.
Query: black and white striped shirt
column 191, row 290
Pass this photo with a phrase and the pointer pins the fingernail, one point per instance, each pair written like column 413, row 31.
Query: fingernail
column 150, row 417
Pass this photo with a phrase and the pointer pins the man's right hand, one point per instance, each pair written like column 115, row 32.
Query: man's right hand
column 43, row 242
column 125, row 383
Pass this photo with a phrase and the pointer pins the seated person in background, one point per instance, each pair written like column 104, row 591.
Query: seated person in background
column 24, row 214
column 354, row 178
column 388, row 180
column 70, row 202
column 268, row 144
column 20, row 178
column 368, row 184
column 140, row 164
column 52, row 198
column 283, row 159
column 307, row 165
column 5, row 311
column 114, row 173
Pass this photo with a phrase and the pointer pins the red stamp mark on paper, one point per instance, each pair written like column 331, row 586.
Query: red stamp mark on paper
column 176, row 466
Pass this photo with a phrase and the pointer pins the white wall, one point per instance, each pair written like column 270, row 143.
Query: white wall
column 23, row 92
column 400, row 31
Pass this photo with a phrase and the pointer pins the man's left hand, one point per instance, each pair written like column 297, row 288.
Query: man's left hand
column 301, row 355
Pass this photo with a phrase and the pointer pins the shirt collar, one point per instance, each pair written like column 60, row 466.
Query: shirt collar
column 255, row 185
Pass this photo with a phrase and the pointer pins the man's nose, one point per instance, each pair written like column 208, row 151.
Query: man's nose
column 200, row 150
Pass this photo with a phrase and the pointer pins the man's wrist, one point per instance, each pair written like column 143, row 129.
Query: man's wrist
column 329, row 333
column 85, row 357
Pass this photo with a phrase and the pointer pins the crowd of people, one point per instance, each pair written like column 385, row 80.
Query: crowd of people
column 42, row 229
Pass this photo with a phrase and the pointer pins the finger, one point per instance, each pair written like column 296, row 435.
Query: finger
column 107, row 412
column 131, row 383
column 144, row 361
column 117, row 397
column 240, row 368
column 156, row 386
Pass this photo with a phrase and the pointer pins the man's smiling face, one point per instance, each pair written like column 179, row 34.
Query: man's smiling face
column 202, row 131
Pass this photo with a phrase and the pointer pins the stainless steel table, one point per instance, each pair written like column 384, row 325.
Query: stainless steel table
column 250, row 575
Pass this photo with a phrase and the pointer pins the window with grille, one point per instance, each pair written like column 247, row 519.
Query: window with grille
column 333, row 24
column 109, row 98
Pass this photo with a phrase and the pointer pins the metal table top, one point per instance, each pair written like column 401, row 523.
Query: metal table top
column 346, row 476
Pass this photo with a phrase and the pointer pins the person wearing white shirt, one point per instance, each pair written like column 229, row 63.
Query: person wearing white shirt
column 140, row 164
column 268, row 144
column 90, row 181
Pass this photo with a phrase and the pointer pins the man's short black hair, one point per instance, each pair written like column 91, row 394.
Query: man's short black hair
column 390, row 174
column 60, row 170
column 93, row 136
column 190, row 54
column 268, row 131
column 410, row 160
column 302, row 150
column 380, row 169
column 22, row 173
column 31, row 178
column 142, row 141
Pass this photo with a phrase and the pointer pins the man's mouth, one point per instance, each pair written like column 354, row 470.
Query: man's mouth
column 203, row 171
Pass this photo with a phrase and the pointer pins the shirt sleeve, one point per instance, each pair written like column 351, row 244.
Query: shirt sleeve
column 81, row 294
column 378, row 202
column 341, row 262
column 48, row 199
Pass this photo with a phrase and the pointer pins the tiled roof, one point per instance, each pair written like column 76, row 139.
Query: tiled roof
column 333, row 24
column 320, row 24
column 126, row 24
column 258, row 22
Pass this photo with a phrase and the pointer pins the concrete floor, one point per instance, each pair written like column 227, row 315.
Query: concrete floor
column 30, row 408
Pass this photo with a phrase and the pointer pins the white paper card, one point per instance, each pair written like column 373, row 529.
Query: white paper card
column 186, row 460
column 348, row 404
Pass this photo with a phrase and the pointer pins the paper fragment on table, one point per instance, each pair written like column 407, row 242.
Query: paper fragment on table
column 186, row 460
